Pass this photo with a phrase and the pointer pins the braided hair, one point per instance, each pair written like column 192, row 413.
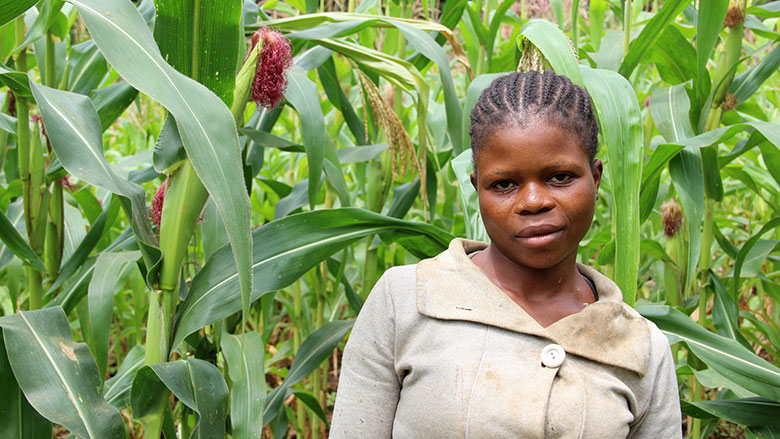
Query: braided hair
column 517, row 99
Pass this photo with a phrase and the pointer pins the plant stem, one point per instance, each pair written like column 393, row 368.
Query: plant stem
column 297, row 338
column 55, row 236
column 696, row 427
column 575, row 6
column 51, row 62
column 35, row 287
column 3, row 134
column 626, row 25
column 184, row 200
column 705, row 257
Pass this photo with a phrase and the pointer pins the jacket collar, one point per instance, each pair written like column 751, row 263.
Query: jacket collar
column 451, row 287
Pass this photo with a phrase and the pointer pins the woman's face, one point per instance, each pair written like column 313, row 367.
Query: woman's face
column 537, row 191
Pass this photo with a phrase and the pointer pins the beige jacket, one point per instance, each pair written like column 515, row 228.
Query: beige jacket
column 438, row 351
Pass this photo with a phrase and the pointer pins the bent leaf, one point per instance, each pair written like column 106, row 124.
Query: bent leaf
column 247, row 395
column 196, row 383
column 726, row 356
column 57, row 375
column 285, row 250
column 18, row 246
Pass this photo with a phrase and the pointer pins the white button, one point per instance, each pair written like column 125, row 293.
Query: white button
column 553, row 355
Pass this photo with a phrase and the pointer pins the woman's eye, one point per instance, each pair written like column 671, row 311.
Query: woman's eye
column 560, row 178
column 504, row 185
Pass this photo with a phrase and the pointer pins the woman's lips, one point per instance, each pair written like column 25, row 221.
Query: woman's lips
column 538, row 236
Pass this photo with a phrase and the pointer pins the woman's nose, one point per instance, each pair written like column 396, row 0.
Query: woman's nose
column 533, row 198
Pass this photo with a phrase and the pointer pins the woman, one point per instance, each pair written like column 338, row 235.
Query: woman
column 512, row 338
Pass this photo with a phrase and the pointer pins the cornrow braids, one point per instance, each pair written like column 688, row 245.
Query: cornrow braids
column 519, row 98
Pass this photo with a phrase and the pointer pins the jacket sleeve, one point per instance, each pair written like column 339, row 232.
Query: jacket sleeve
column 661, row 417
column 369, row 387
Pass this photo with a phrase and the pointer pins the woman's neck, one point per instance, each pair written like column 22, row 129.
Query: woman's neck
column 529, row 284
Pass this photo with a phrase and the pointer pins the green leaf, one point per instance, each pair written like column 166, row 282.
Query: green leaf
column 479, row 83
column 462, row 166
column 653, row 248
column 290, row 247
column 169, row 149
column 757, row 257
column 745, row 411
column 292, row 201
column 688, row 176
column 495, row 25
column 712, row 379
column 109, row 271
column 200, row 40
column 403, row 198
column 75, row 288
column 771, row 156
column 428, row 47
column 247, row 394
column 313, row 351
column 112, row 101
column 58, row 376
column 744, row 251
column 300, row 90
column 725, row 312
column 669, row 107
column 267, row 139
column 611, row 53
column 8, row 123
column 85, row 247
column 330, row 83
column 650, row 33
column 17, row 418
column 15, row 215
column 116, row 389
column 48, row 13
column 709, row 22
column 766, row 431
column 358, row 154
column 713, row 184
column 212, row 230
column 87, row 67
column 596, row 13
column 18, row 245
column 726, row 356
column 196, row 383
column 16, row 81
column 476, row 23
column 13, row 8
column 205, row 123
column 748, row 82
column 555, row 47
column 311, row 402
column 647, row 197
column 75, row 135
column 673, row 56
column 621, row 128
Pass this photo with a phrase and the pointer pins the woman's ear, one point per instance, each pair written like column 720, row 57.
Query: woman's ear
column 597, row 168
column 473, row 176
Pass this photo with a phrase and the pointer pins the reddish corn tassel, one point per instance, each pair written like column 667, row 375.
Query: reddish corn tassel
column 157, row 204
column 672, row 215
column 275, row 58
column 65, row 182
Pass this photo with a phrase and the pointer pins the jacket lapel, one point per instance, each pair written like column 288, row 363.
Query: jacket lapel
column 451, row 287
